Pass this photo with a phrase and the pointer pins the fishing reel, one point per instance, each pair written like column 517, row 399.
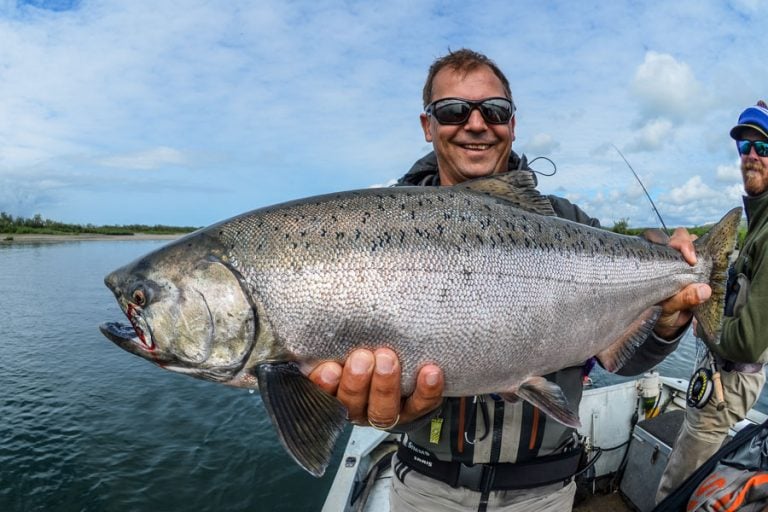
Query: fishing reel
column 700, row 388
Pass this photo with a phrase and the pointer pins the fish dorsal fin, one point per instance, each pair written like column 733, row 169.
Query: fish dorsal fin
column 623, row 348
column 517, row 187
column 307, row 420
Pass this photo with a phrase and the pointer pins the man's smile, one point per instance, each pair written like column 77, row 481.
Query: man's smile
column 476, row 146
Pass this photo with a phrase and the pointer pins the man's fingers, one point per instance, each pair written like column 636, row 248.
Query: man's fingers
column 682, row 240
column 675, row 311
column 327, row 376
column 355, row 384
column 369, row 387
column 687, row 298
column 384, row 395
column 427, row 396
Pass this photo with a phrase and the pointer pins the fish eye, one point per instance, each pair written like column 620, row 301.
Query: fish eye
column 139, row 297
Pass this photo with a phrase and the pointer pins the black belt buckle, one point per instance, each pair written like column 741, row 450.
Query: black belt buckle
column 472, row 477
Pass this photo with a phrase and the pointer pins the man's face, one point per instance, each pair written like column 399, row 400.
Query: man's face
column 754, row 168
column 475, row 148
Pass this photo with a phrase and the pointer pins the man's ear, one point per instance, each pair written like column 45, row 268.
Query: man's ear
column 426, row 126
column 512, row 129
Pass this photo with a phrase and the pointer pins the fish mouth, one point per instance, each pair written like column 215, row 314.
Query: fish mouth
column 143, row 332
column 127, row 336
column 135, row 337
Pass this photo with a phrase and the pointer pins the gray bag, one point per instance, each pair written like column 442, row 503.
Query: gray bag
column 739, row 481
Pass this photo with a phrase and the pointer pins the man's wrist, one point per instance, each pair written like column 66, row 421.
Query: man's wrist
column 669, row 335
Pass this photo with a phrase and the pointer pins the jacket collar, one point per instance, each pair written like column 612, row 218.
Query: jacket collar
column 424, row 171
column 756, row 208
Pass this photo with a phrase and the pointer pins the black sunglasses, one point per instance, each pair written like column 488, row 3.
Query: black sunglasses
column 458, row 110
column 761, row 147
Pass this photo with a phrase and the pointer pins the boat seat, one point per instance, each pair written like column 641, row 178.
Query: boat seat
column 664, row 427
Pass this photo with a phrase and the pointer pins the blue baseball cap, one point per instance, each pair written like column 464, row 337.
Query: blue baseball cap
column 755, row 118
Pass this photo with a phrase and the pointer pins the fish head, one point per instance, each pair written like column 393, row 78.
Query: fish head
column 188, row 311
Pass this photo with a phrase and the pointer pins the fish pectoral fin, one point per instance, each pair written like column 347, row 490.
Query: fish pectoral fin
column 548, row 397
column 623, row 348
column 308, row 421
column 512, row 398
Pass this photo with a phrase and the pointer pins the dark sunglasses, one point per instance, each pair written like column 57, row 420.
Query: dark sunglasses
column 761, row 147
column 458, row 110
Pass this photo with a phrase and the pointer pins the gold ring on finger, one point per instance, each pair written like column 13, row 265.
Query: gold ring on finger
column 377, row 426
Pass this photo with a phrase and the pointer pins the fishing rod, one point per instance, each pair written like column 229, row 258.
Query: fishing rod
column 666, row 230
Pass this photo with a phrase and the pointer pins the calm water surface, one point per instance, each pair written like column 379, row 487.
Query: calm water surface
column 85, row 426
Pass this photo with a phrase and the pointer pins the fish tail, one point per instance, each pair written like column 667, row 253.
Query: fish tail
column 718, row 244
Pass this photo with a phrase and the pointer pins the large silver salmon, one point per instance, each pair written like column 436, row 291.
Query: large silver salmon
column 479, row 279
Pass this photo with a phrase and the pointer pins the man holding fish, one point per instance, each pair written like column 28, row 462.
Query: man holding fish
column 482, row 452
column 743, row 348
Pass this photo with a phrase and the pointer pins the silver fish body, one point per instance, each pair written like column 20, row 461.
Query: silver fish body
column 494, row 294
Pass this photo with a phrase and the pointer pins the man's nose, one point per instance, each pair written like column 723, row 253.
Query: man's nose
column 475, row 121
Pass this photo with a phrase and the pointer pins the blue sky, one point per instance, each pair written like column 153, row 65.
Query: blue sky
column 187, row 112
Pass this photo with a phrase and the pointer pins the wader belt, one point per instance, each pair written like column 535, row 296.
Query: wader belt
column 545, row 470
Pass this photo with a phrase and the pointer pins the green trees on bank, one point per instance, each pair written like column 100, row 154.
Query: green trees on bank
column 38, row 225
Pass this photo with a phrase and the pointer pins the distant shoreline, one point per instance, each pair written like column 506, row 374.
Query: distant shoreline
column 13, row 238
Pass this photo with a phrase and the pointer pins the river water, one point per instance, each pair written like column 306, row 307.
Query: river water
column 85, row 426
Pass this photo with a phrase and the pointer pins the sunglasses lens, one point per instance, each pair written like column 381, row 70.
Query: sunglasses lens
column 452, row 112
column 743, row 146
column 761, row 148
column 496, row 111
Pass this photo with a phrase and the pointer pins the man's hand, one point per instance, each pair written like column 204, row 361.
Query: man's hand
column 368, row 384
column 675, row 311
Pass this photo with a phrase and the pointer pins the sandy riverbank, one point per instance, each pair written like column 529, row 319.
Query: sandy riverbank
column 6, row 238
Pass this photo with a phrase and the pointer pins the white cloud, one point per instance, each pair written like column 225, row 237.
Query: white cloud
column 692, row 190
column 155, row 158
column 389, row 183
column 729, row 173
column 651, row 135
column 735, row 192
column 700, row 203
column 748, row 6
column 542, row 143
column 666, row 87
